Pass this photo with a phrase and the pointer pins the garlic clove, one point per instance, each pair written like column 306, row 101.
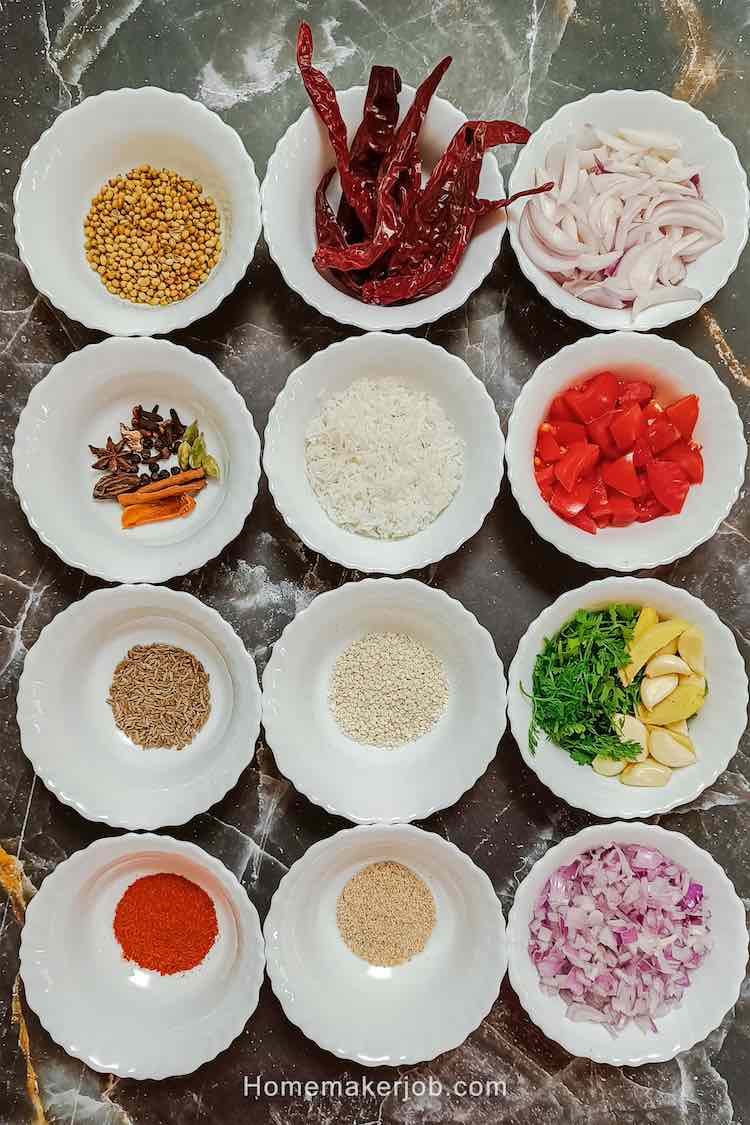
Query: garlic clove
column 655, row 689
column 671, row 749
column 690, row 648
column 667, row 665
column 607, row 767
column 648, row 774
column 630, row 729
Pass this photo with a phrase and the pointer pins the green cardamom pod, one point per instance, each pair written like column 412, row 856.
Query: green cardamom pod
column 211, row 466
column 191, row 432
column 183, row 455
column 197, row 452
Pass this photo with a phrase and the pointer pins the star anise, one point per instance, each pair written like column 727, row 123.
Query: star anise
column 112, row 457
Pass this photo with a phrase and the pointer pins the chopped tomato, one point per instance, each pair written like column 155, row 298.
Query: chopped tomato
column 641, row 453
column 576, row 463
column 598, row 503
column 568, row 504
column 625, row 427
column 560, row 410
column 621, row 475
column 600, row 435
column 623, row 510
column 651, row 410
column 670, row 484
column 584, row 522
column 546, row 444
column 684, row 414
column 649, row 509
column 568, row 432
column 545, row 478
column 634, row 390
column 688, row 456
column 594, row 398
column 661, row 433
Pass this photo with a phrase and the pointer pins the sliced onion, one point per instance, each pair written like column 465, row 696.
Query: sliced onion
column 624, row 220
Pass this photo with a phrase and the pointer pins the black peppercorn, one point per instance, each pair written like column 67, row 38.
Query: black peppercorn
column 154, row 470
column 163, row 475
column 135, row 459
column 147, row 443
column 175, row 470
column 144, row 478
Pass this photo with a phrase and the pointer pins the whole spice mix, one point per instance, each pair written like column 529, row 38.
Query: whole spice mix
column 387, row 689
column 165, row 923
column 152, row 236
column 160, row 696
column 137, row 472
column 386, row 913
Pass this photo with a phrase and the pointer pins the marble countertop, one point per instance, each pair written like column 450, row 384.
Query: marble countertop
column 514, row 58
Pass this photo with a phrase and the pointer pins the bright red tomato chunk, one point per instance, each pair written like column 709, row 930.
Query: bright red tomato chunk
column 608, row 454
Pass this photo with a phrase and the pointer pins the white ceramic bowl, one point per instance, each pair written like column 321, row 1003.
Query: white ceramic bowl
column 676, row 372
column 715, row 730
column 295, row 169
column 367, row 783
column 723, row 181
column 714, row 986
column 68, row 732
column 83, row 399
column 377, row 1015
column 107, row 135
column 112, row 1015
column 422, row 367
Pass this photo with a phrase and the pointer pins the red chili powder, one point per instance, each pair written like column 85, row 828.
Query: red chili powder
column 165, row 922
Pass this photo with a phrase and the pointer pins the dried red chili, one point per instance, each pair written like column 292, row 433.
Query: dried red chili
column 442, row 221
column 371, row 142
column 165, row 923
column 396, row 190
column 394, row 240
column 323, row 98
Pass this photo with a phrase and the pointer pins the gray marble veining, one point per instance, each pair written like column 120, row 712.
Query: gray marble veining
column 514, row 58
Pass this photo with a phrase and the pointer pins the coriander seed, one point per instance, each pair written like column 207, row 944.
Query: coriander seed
column 152, row 236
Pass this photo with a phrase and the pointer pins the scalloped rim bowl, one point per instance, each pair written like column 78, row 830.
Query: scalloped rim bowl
column 677, row 372
column 113, row 1016
column 723, row 180
column 380, row 1016
column 107, row 135
column 714, row 987
column 422, row 367
column 716, row 729
column 68, row 732
column 295, row 169
column 367, row 783
column 84, row 398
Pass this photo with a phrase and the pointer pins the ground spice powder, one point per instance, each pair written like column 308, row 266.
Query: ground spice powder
column 386, row 913
column 165, row 923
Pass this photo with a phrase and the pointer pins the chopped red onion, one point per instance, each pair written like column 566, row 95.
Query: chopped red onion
column 617, row 933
